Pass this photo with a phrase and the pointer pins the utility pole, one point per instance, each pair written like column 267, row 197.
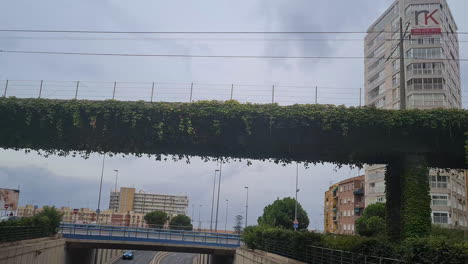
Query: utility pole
column 297, row 190
column 227, row 208
column 98, row 211
column 402, row 68
column 199, row 218
column 116, row 177
column 212, row 201
column 246, row 205
column 219, row 190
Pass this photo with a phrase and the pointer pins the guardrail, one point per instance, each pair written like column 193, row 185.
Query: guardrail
column 124, row 233
column 17, row 233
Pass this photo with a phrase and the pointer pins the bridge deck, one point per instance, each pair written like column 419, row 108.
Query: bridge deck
column 97, row 236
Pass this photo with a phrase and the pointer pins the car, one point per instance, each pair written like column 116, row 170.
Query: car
column 127, row 255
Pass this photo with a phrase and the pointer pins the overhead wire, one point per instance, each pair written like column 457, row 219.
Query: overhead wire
column 199, row 32
column 209, row 56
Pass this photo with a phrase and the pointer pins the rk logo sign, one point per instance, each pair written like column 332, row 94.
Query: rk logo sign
column 427, row 16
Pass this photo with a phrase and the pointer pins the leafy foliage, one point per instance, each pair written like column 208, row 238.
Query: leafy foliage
column 304, row 133
column 49, row 219
column 281, row 214
column 372, row 221
column 180, row 222
column 413, row 250
column 156, row 219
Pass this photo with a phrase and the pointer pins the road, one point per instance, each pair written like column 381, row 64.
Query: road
column 140, row 257
column 178, row 258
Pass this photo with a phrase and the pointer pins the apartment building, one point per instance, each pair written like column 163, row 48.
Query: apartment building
column 432, row 80
column 330, row 209
column 127, row 199
column 87, row 216
column 344, row 203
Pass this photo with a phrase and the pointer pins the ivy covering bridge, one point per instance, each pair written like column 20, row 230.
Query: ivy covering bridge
column 409, row 141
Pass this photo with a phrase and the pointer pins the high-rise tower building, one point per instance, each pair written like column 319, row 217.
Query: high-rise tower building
column 432, row 80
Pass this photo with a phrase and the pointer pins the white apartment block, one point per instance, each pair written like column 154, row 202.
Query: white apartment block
column 432, row 81
column 127, row 200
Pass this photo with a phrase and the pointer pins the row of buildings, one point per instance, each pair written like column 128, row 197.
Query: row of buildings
column 126, row 208
column 345, row 201
column 432, row 80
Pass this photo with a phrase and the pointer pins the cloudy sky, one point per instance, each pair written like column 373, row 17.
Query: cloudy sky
column 62, row 181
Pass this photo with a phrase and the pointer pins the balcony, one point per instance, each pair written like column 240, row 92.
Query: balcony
column 359, row 191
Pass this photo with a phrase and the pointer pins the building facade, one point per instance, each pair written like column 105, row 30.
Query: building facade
column 432, row 78
column 140, row 202
column 87, row 216
column 344, row 203
column 330, row 209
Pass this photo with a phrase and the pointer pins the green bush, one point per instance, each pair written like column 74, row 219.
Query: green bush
column 433, row 250
column 281, row 214
column 414, row 250
column 372, row 221
column 180, row 222
column 450, row 234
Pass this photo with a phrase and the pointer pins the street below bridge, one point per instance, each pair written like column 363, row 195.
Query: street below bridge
column 140, row 257
column 147, row 257
column 178, row 258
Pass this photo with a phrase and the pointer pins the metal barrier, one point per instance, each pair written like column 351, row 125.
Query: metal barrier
column 148, row 234
column 17, row 233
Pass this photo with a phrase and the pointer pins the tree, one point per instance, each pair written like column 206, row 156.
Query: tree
column 238, row 226
column 49, row 217
column 156, row 219
column 372, row 221
column 180, row 222
column 281, row 214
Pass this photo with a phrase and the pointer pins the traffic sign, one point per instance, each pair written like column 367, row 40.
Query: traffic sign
column 296, row 222
column 6, row 206
column 98, row 211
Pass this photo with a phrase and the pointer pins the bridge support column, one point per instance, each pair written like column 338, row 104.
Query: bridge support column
column 218, row 259
column 408, row 205
column 80, row 256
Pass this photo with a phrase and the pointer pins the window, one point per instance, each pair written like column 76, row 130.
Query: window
column 440, row 218
column 341, row 188
column 440, row 200
column 426, row 84
column 396, row 80
column 439, row 181
column 425, row 68
column 423, row 53
column 427, row 100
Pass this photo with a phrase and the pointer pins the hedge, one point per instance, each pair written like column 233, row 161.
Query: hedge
column 211, row 129
column 433, row 249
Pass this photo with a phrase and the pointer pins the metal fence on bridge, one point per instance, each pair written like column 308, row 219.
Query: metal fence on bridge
column 123, row 233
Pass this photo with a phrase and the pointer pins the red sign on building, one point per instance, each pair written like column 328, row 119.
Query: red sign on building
column 425, row 31
column 75, row 211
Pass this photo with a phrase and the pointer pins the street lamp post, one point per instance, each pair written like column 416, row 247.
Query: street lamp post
column 246, row 205
column 219, row 190
column 297, row 190
column 212, row 201
column 227, row 207
column 116, row 177
column 98, row 211
column 199, row 218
